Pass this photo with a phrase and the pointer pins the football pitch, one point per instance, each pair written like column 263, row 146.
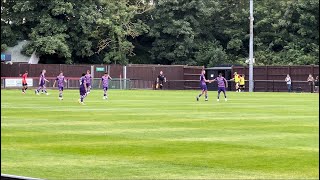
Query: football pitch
column 146, row 134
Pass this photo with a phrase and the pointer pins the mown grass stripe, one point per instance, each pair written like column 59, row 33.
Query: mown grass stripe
column 160, row 135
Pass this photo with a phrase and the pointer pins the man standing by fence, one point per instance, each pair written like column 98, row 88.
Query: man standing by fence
column 316, row 84
column 311, row 82
column 288, row 80
column 161, row 79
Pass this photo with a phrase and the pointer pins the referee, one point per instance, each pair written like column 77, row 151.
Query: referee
column 161, row 79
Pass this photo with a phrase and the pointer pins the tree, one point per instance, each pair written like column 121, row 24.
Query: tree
column 193, row 32
column 77, row 30
column 174, row 28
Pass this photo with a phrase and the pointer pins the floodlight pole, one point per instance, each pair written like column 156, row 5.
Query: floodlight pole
column 251, row 85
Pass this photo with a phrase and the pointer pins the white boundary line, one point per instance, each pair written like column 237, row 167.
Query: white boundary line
column 18, row 177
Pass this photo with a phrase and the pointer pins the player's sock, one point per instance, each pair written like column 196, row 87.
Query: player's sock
column 81, row 98
column 199, row 95
column 206, row 96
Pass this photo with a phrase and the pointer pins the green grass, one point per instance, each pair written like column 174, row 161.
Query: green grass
column 160, row 134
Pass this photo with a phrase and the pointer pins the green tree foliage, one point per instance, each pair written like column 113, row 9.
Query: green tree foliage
column 287, row 32
column 175, row 27
column 193, row 32
column 78, row 31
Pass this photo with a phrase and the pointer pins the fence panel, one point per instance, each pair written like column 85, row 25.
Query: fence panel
column 116, row 70
column 25, row 67
column 10, row 70
column 178, row 76
column 142, row 84
column 171, row 72
column 141, row 72
column 73, row 70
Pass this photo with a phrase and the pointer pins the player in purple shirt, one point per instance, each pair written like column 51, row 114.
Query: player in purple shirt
column 42, row 83
column 222, row 85
column 82, row 88
column 88, row 81
column 61, row 80
column 105, row 83
column 203, row 85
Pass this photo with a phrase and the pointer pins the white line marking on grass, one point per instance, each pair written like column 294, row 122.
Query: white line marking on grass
column 18, row 177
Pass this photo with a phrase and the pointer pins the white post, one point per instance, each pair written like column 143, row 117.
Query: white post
column 108, row 69
column 92, row 75
column 251, row 85
column 92, row 71
column 124, row 77
column 120, row 81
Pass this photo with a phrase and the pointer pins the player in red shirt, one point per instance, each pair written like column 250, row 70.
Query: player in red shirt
column 24, row 82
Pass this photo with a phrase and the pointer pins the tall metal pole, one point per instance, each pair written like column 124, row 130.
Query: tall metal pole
column 251, row 85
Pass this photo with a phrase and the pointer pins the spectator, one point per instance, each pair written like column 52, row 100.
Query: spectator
column 311, row 82
column 288, row 80
column 316, row 84
column 161, row 79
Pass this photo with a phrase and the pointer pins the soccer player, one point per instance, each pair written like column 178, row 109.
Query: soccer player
column 83, row 88
column 61, row 80
column 24, row 82
column 88, row 81
column 42, row 83
column 241, row 82
column 203, row 85
column 222, row 85
column 105, row 83
column 236, row 79
column 161, row 79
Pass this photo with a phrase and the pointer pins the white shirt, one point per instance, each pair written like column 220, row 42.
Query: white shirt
column 288, row 80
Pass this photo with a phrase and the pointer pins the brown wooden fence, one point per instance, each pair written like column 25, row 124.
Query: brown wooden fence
column 267, row 78
column 271, row 78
